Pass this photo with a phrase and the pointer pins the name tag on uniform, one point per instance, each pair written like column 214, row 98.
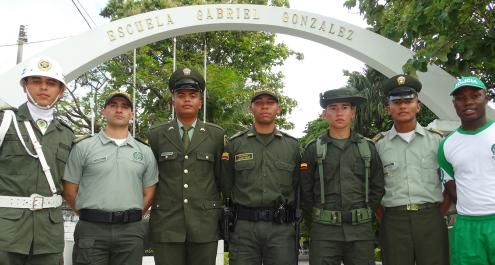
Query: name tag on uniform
column 242, row 157
column 167, row 154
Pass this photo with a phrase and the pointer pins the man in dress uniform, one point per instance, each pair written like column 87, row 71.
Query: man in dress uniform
column 342, row 185
column 260, row 176
column 185, row 215
column 109, row 180
column 34, row 147
column 412, row 230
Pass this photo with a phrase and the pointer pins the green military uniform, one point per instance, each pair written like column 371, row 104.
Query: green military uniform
column 260, row 175
column 413, row 230
column 187, row 206
column 111, row 180
column 336, row 202
column 35, row 236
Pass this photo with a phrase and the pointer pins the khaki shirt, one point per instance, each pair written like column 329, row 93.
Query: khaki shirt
column 259, row 174
column 22, row 175
column 344, row 180
column 111, row 177
column 411, row 169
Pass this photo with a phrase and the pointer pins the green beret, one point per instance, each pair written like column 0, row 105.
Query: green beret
column 340, row 95
column 401, row 86
column 262, row 92
column 186, row 78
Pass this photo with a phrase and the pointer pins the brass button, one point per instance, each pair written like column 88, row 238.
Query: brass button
column 186, row 157
column 186, row 186
column 186, row 171
column 186, row 201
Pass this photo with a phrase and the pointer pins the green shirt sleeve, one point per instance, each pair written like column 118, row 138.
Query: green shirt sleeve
column 445, row 166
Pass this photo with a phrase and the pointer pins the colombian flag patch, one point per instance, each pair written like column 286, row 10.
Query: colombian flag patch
column 225, row 156
column 303, row 167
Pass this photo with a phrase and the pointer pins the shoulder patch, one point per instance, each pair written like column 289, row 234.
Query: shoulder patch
column 433, row 130
column 379, row 136
column 81, row 138
column 238, row 134
column 141, row 141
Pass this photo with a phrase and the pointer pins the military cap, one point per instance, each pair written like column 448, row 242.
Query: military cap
column 340, row 95
column 262, row 92
column 468, row 81
column 186, row 78
column 401, row 86
column 118, row 94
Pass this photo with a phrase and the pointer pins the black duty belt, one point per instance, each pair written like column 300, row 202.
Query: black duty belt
column 266, row 214
column 411, row 207
column 119, row 217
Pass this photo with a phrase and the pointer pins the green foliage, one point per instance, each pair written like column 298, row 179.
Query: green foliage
column 457, row 35
column 237, row 64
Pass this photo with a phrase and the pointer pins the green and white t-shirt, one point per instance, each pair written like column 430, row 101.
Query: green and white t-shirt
column 468, row 157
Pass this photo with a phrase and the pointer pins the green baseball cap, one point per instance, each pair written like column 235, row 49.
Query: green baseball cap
column 118, row 93
column 261, row 92
column 468, row 81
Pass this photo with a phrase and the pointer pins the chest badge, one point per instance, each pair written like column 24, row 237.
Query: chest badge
column 138, row 156
column 244, row 156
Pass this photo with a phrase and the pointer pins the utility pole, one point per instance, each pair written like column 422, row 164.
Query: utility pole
column 20, row 42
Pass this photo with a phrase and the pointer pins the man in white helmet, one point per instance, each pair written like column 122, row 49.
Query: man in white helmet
column 34, row 147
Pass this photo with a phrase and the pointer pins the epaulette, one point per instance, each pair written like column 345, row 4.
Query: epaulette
column 310, row 142
column 80, row 138
column 157, row 126
column 433, row 130
column 7, row 107
column 65, row 125
column 238, row 134
column 379, row 136
column 288, row 135
column 214, row 126
column 141, row 141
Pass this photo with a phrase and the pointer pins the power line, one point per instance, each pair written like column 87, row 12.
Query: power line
column 81, row 14
column 32, row 42
column 87, row 14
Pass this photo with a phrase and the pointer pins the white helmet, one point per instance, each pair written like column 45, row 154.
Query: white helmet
column 42, row 66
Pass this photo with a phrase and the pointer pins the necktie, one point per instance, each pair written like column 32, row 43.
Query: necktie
column 42, row 125
column 185, row 136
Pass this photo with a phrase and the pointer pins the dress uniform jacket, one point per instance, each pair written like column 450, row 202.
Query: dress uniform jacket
column 21, row 175
column 344, row 182
column 258, row 174
column 187, row 204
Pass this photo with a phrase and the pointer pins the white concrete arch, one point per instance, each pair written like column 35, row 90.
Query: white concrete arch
column 85, row 51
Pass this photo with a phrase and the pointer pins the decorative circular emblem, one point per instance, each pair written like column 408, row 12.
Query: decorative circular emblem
column 493, row 149
column 42, row 124
column 186, row 71
column 138, row 156
column 44, row 65
column 401, row 80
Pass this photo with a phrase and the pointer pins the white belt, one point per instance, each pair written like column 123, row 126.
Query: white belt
column 33, row 203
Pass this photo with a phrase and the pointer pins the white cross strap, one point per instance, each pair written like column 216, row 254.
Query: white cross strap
column 33, row 203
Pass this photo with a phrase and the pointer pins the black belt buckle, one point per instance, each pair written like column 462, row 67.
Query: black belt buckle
column 120, row 217
column 264, row 215
column 347, row 217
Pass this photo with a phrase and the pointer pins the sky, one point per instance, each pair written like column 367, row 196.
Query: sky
column 54, row 20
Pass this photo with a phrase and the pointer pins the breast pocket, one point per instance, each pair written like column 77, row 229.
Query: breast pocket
column 167, row 156
column 285, row 171
column 208, row 157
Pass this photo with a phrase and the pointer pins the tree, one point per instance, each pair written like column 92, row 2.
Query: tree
column 457, row 35
column 237, row 64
